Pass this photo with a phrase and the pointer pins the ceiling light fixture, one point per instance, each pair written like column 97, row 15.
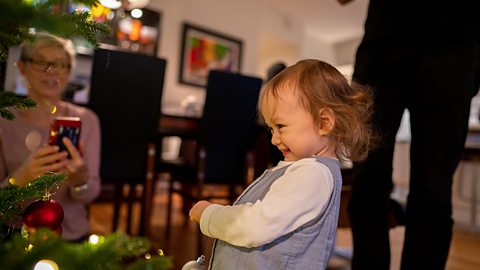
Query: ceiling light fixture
column 126, row 4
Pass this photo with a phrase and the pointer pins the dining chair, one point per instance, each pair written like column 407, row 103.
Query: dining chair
column 125, row 93
column 226, row 133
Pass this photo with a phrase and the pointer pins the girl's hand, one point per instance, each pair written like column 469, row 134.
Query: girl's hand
column 75, row 169
column 197, row 210
column 44, row 159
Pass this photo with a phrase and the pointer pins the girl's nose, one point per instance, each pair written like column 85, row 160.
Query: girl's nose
column 275, row 139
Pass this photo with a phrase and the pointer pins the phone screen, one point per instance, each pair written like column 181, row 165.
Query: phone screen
column 69, row 127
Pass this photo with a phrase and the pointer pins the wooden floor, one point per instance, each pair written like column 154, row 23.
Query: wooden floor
column 181, row 245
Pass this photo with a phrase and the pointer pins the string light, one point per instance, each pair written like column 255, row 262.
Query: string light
column 136, row 13
column 93, row 239
column 11, row 180
column 96, row 239
column 29, row 247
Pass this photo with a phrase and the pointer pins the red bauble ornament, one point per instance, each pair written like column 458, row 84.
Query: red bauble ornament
column 43, row 213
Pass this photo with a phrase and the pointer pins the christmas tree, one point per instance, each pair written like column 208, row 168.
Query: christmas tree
column 43, row 249
column 20, row 17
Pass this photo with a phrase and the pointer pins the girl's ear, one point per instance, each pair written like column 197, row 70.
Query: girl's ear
column 327, row 121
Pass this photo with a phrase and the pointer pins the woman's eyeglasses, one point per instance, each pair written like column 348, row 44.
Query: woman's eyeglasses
column 44, row 66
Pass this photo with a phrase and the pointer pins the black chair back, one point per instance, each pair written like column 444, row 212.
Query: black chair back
column 126, row 92
column 228, row 124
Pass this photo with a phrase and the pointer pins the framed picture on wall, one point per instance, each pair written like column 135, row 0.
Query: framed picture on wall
column 204, row 50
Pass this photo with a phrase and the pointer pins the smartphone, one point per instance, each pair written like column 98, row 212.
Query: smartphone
column 69, row 127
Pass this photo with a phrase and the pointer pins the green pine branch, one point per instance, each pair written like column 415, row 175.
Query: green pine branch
column 17, row 17
column 116, row 251
column 9, row 100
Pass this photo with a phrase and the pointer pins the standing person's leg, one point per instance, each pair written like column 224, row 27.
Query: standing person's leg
column 369, row 204
column 439, row 111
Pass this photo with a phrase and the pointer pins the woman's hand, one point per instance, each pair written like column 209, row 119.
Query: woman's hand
column 44, row 159
column 197, row 210
column 76, row 168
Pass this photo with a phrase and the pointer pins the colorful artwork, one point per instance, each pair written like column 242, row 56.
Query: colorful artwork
column 204, row 50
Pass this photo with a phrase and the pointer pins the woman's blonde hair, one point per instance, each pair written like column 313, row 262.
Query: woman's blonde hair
column 47, row 40
column 320, row 85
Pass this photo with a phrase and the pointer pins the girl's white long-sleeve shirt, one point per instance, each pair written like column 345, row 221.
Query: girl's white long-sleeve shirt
column 297, row 197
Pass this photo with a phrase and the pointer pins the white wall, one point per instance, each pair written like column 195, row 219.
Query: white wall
column 234, row 18
column 268, row 36
column 280, row 37
column 313, row 47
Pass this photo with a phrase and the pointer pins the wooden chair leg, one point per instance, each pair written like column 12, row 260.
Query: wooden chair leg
column 231, row 194
column 200, row 246
column 146, row 203
column 148, row 192
column 189, row 197
column 131, row 201
column 169, row 211
column 116, row 215
column 143, row 212
column 118, row 193
column 187, row 204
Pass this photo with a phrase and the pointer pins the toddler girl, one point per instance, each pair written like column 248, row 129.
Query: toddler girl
column 287, row 218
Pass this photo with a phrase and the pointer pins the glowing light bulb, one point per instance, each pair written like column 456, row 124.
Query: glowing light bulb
column 93, row 239
column 46, row 265
column 136, row 13
column 29, row 247
column 11, row 180
column 137, row 3
column 113, row 4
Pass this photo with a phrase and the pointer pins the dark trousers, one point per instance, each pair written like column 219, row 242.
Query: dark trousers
column 435, row 83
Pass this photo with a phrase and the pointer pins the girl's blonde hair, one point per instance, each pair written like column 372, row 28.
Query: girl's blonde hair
column 47, row 40
column 319, row 85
